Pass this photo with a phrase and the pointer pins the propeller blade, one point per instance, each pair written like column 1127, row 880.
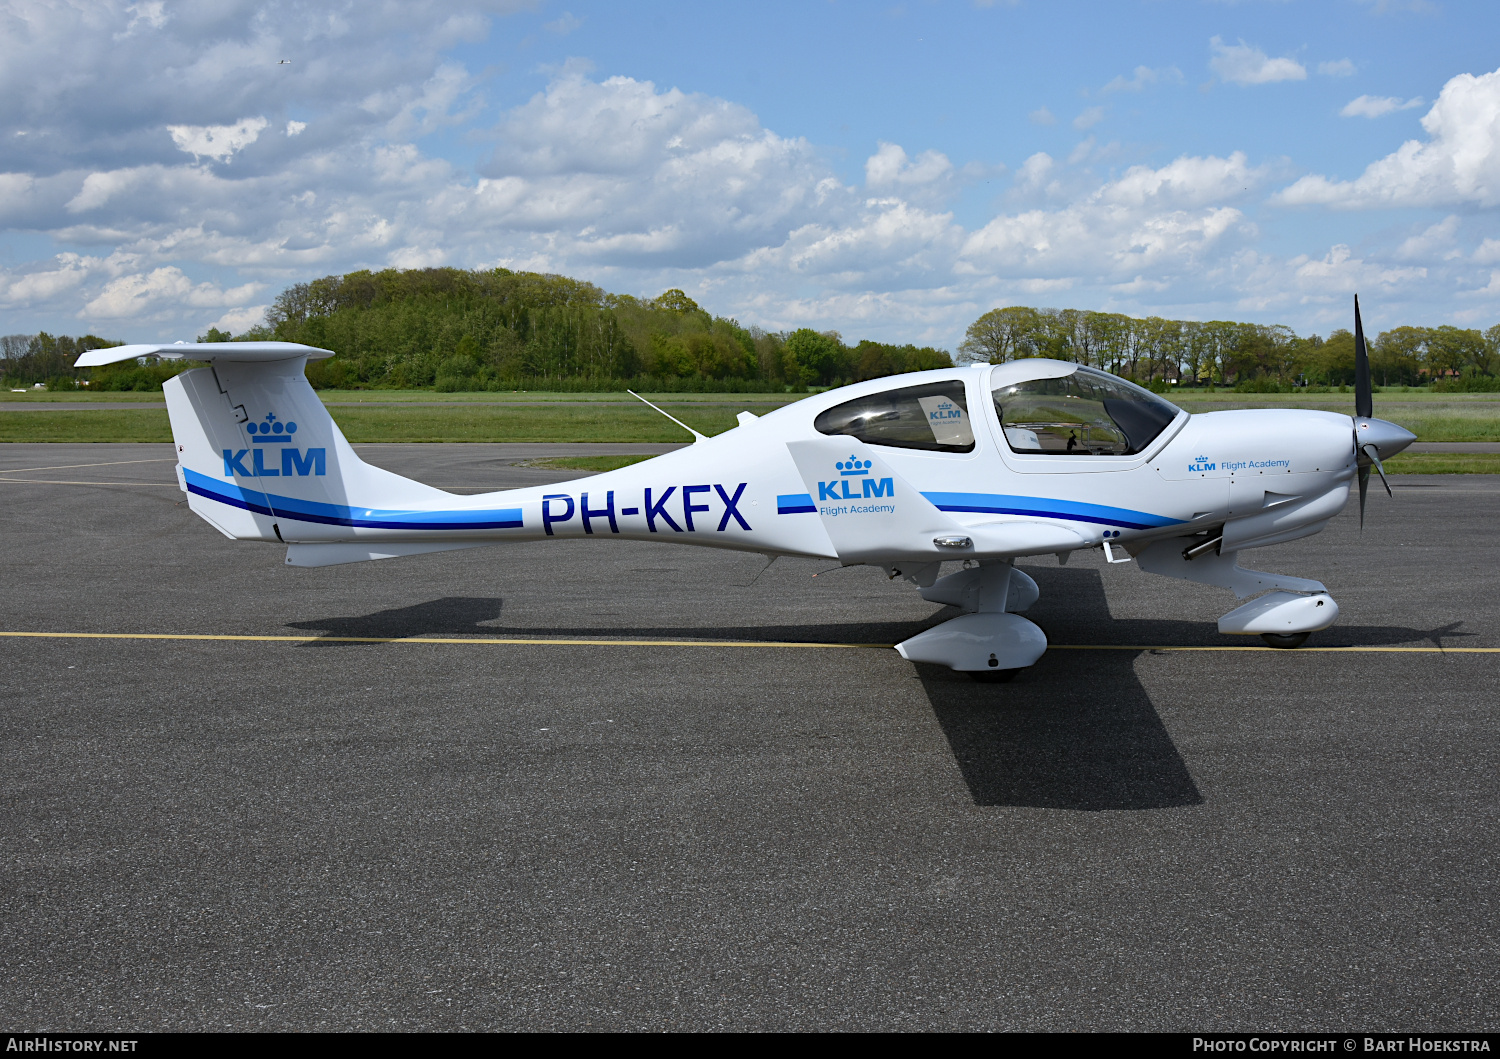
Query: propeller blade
column 1364, row 403
column 1370, row 451
column 1364, row 486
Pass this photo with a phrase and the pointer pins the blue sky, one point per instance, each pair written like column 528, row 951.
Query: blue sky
column 887, row 170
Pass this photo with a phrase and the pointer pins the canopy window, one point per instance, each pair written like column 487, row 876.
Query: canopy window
column 1085, row 413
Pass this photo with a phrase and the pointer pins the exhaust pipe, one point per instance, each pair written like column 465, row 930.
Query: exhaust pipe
column 1212, row 544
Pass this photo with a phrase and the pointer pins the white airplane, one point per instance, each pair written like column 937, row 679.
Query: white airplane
column 981, row 465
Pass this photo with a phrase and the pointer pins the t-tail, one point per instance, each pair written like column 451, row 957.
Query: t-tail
column 261, row 459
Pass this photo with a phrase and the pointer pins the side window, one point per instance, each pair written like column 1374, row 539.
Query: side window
column 933, row 417
column 1087, row 413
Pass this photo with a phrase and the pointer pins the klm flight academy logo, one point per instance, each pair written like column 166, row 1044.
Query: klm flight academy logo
column 1201, row 465
column 274, row 431
column 855, row 469
column 946, row 411
column 850, row 471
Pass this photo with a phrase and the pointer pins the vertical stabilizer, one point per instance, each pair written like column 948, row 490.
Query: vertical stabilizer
column 261, row 459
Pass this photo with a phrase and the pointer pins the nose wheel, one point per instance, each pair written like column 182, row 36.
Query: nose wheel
column 1286, row 640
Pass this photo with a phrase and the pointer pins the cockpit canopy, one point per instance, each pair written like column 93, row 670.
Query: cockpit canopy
column 1077, row 411
column 1083, row 413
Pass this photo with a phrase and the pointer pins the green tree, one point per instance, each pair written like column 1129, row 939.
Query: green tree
column 1195, row 351
column 675, row 301
column 1452, row 351
column 1397, row 354
column 1001, row 335
column 818, row 358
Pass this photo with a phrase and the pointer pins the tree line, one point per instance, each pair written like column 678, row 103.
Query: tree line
column 495, row 329
column 1154, row 350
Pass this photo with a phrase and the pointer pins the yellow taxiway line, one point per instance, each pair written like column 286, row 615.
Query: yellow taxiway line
column 495, row 641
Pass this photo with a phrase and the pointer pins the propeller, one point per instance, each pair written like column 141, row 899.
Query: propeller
column 1373, row 438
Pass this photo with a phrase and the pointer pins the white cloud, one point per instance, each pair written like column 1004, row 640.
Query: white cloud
column 889, row 168
column 1088, row 118
column 1186, row 182
column 150, row 14
column 621, row 172
column 1488, row 252
column 564, row 25
column 43, row 286
column 1243, row 64
column 1376, row 106
column 1337, row 68
column 1341, row 272
column 1435, row 242
column 1034, row 171
column 99, row 188
column 139, row 293
column 1141, row 78
column 1458, row 164
column 238, row 320
column 1150, row 219
column 295, row 128
column 1042, row 116
column 432, row 106
column 219, row 142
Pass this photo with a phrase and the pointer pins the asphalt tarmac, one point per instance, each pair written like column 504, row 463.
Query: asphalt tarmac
column 325, row 834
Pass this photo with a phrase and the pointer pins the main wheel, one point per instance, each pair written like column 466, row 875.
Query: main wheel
column 1285, row 640
column 994, row 676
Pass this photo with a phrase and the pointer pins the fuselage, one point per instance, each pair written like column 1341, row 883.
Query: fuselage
column 1264, row 475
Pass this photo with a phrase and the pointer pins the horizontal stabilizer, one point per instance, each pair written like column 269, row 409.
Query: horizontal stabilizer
column 238, row 352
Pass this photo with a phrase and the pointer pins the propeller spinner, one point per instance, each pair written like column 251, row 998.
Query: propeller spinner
column 1375, row 440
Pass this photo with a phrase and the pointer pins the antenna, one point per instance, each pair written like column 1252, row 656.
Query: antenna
column 697, row 437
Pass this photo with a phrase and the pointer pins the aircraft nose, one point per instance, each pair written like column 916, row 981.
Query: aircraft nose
column 1387, row 437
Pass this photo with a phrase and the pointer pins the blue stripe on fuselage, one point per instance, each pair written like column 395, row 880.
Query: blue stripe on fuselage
column 341, row 515
column 1047, row 507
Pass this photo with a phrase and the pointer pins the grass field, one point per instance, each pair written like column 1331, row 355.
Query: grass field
column 344, row 397
column 1444, row 463
column 1430, row 416
column 458, row 422
column 422, row 416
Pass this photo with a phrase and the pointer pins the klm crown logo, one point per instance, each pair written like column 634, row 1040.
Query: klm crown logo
column 272, row 426
column 1201, row 464
column 854, row 467
column 294, row 462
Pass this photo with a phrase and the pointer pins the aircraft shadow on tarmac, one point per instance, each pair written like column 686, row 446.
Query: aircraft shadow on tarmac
column 1076, row 731
column 449, row 616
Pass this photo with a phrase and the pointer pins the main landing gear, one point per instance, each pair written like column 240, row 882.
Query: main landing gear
column 1285, row 640
column 990, row 642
